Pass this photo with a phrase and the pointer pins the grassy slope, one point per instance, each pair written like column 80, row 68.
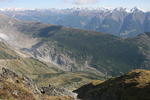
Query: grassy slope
column 131, row 86
column 17, row 91
column 14, row 87
column 6, row 52
column 43, row 73
column 8, row 89
column 143, row 43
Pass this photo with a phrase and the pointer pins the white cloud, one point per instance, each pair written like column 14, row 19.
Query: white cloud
column 68, row 1
column 80, row 2
column 85, row 1
column 5, row 0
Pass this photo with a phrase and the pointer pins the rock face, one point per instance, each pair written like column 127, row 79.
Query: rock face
column 49, row 52
column 134, row 85
column 53, row 91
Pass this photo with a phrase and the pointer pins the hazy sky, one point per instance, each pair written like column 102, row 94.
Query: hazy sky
column 143, row 4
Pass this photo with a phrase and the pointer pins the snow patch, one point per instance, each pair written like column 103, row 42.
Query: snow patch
column 4, row 36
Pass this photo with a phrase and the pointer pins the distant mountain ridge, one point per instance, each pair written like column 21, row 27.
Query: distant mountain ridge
column 120, row 21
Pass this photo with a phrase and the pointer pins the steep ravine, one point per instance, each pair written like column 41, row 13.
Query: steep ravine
column 50, row 52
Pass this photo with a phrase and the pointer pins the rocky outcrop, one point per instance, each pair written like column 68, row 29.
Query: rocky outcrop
column 53, row 91
column 17, row 88
column 52, row 53
column 8, row 74
column 22, row 88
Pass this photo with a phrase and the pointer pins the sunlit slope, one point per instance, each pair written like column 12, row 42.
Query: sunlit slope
column 42, row 73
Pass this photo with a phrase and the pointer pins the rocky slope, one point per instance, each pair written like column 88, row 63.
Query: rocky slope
column 131, row 86
column 119, row 21
column 12, row 88
column 15, row 87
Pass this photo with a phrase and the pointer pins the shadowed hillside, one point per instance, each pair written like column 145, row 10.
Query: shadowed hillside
column 131, row 86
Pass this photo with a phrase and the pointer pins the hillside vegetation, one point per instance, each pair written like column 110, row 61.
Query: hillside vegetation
column 103, row 52
column 131, row 86
column 76, row 50
column 42, row 73
column 15, row 87
column 6, row 52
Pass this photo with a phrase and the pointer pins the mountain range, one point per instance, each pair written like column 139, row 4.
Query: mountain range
column 56, row 57
column 120, row 21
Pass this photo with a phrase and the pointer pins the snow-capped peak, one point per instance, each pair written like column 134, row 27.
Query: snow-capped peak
column 136, row 9
column 104, row 9
column 14, row 9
